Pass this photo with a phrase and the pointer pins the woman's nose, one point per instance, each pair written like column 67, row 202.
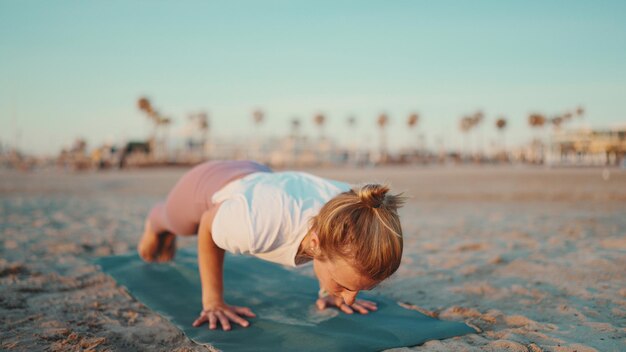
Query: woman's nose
column 349, row 297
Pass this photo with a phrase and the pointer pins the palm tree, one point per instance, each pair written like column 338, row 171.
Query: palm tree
column 145, row 105
column 295, row 126
column 465, row 125
column 383, row 121
column 352, row 148
column 501, row 126
column 412, row 121
column 164, row 124
column 351, row 121
column 257, row 117
column 203, row 126
column 319, row 120
column 199, row 124
column 322, row 149
column 557, row 121
column 295, row 139
column 537, row 121
column 501, row 123
column 580, row 111
column 477, row 119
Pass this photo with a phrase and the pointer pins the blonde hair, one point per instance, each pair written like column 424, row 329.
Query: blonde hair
column 363, row 226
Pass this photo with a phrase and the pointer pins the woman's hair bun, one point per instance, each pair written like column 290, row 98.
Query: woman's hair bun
column 373, row 195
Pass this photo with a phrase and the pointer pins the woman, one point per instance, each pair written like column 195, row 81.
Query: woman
column 352, row 235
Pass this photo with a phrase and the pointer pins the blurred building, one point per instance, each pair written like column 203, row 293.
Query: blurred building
column 588, row 147
column 285, row 151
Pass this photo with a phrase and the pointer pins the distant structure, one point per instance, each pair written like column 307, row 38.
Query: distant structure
column 157, row 150
column 383, row 121
column 588, row 147
column 551, row 144
column 197, row 138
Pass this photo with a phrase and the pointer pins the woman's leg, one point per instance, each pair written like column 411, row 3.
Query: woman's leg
column 157, row 243
column 156, row 246
column 158, row 218
column 180, row 214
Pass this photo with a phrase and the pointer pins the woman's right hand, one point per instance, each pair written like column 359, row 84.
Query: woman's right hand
column 360, row 305
column 224, row 314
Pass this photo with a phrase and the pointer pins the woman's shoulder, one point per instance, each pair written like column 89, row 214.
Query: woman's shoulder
column 305, row 178
column 286, row 183
column 304, row 183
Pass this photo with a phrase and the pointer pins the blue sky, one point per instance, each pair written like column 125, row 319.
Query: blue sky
column 76, row 68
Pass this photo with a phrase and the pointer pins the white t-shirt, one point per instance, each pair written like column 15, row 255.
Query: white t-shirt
column 267, row 214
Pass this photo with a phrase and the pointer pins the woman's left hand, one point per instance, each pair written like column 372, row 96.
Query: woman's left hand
column 360, row 305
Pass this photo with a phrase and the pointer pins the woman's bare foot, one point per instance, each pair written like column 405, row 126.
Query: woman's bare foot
column 167, row 247
column 155, row 247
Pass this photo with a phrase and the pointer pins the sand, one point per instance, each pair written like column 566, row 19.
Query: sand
column 533, row 257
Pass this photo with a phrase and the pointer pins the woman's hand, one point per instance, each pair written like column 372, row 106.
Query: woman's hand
column 224, row 314
column 361, row 306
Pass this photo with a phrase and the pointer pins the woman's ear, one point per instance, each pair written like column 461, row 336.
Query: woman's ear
column 314, row 245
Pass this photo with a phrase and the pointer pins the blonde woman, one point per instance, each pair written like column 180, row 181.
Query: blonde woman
column 352, row 235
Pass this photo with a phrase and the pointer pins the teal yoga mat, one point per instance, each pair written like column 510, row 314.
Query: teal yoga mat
column 287, row 319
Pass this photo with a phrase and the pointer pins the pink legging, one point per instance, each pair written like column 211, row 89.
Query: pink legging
column 180, row 214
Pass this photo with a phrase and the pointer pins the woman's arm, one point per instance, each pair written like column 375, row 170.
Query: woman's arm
column 210, row 261
column 211, row 266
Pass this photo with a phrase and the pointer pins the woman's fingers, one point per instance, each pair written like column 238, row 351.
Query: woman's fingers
column 367, row 305
column 212, row 321
column 223, row 320
column 235, row 318
column 224, row 316
column 346, row 309
column 338, row 301
column 359, row 308
column 244, row 311
column 201, row 319
column 364, row 302
column 321, row 304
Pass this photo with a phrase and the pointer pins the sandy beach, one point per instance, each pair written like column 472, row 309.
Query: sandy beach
column 533, row 257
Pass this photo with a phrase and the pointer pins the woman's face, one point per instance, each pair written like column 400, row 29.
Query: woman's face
column 339, row 278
